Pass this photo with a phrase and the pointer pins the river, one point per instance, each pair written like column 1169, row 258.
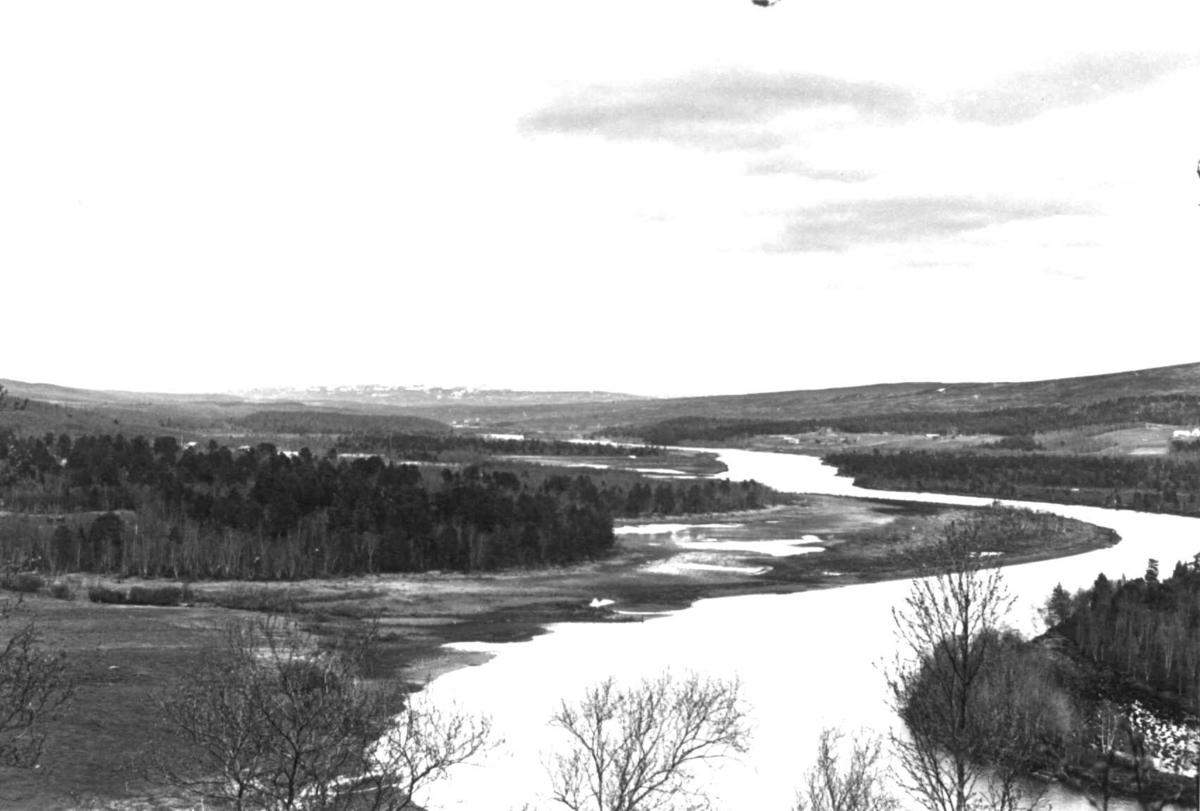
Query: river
column 805, row 660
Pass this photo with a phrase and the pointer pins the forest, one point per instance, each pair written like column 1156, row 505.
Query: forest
column 431, row 447
column 1130, row 675
column 1147, row 628
column 104, row 503
column 302, row 421
column 1167, row 409
column 1149, row 483
column 1099, row 702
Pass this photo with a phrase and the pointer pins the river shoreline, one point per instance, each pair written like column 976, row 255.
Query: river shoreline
column 420, row 615
column 813, row 657
column 438, row 623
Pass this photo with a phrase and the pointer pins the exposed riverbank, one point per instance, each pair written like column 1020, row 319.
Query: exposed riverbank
column 859, row 541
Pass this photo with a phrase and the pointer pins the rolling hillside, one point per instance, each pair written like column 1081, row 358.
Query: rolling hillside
column 58, row 408
column 858, row 401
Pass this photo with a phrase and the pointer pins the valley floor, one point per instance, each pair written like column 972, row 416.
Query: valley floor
column 124, row 655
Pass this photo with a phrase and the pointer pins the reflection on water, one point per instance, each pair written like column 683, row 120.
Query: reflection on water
column 806, row 660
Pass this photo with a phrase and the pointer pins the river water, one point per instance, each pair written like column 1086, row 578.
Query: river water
column 805, row 660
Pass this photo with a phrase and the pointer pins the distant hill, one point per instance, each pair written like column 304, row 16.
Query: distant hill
column 580, row 412
column 375, row 396
column 946, row 397
column 821, row 404
column 50, row 393
column 276, row 411
column 59, row 409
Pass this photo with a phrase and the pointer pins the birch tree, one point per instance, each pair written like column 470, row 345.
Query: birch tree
column 35, row 686
column 947, row 628
column 836, row 783
column 270, row 722
column 639, row 749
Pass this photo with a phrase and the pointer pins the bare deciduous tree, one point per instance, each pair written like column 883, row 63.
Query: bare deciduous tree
column 269, row 721
column 858, row 786
column 635, row 749
column 34, row 686
column 947, row 629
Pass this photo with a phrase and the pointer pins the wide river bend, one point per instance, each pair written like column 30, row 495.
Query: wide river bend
column 806, row 660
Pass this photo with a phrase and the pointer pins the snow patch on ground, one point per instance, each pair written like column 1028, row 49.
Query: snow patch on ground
column 1171, row 744
column 664, row 529
column 473, row 647
column 774, row 549
column 780, row 548
column 701, row 562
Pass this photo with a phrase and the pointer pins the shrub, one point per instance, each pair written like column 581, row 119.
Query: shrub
column 24, row 582
column 61, row 590
column 155, row 595
column 103, row 594
column 304, row 723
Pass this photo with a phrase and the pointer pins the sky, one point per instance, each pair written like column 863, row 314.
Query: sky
column 661, row 197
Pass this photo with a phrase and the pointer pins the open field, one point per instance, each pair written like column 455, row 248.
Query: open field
column 1134, row 441
column 1142, row 440
column 124, row 655
column 818, row 443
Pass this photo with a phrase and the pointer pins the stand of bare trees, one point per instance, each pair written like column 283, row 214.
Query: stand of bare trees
column 962, row 744
column 269, row 721
column 1146, row 630
column 852, row 784
column 635, row 749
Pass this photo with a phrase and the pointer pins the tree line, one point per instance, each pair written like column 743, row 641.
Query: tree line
column 414, row 438
column 151, row 508
column 425, row 447
column 304, row 421
column 1146, row 628
column 987, row 710
column 1149, row 483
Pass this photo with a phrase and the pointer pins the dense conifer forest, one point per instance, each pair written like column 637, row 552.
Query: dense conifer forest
column 429, row 447
column 153, row 508
column 1146, row 628
column 303, row 421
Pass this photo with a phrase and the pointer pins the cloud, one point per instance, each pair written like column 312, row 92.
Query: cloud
column 726, row 110
column 791, row 166
column 739, row 109
column 1081, row 81
column 840, row 226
